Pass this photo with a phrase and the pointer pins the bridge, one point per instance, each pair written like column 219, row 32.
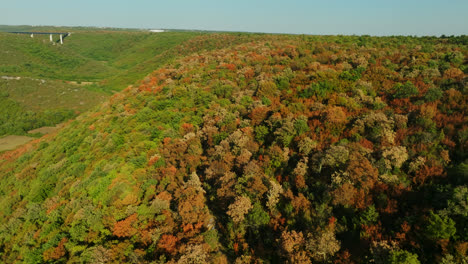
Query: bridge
column 63, row 35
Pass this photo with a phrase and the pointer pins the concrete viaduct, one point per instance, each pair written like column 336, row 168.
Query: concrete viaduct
column 62, row 35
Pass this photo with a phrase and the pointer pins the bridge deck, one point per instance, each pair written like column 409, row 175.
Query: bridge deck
column 43, row 33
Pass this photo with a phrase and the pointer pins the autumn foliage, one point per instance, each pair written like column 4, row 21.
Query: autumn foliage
column 299, row 149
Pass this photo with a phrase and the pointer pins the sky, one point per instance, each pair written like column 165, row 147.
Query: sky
column 326, row 17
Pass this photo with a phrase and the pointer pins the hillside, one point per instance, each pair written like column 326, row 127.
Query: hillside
column 38, row 76
column 56, row 74
column 90, row 56
column 299, row 149
column 27, row 103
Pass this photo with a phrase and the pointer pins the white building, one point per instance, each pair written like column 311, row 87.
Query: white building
column 156, row 30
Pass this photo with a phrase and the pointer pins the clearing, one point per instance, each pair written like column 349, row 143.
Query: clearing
column 11, row 142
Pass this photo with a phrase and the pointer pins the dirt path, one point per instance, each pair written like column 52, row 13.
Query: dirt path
column 42, row 80
column 45, row 130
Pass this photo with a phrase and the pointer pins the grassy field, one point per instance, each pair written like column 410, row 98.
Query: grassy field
column 11, row 142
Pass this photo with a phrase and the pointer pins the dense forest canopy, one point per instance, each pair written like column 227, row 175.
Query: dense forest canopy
column 299, row 149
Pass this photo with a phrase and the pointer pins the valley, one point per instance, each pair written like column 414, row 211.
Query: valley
column 42, row 79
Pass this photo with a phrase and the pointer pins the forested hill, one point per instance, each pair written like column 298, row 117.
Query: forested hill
column 299, row 149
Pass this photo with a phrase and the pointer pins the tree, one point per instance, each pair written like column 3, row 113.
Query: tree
column 336, row 156
column 260, row 133
column 239, row 208
column 306, row 145
column 57, row 252
column 300, row 125
column 124, row 228
column 394, row 156
column 405, row 90
column 322, row 244
column 299, row 173
column 193, row 254
column 273, row 195
column 257, row 217
column 402, row 257
column 440, row 227
column 96, row 254
column 168, row 243
column 433, row 94
column 291, row 241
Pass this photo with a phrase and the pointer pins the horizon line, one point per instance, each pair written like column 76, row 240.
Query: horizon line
column 234, row 31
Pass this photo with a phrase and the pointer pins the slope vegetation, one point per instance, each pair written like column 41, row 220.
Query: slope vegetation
column 279, row 149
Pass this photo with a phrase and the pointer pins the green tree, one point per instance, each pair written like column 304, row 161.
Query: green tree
column 403, row 257
column 405, row 90
column 433, row 94
column 257, row 217
column 440, row 227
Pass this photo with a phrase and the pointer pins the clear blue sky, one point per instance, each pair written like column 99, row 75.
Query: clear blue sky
column 373, row 17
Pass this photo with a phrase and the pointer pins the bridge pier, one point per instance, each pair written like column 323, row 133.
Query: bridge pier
column 32, row 35
column 51, row 40
column 61, row 39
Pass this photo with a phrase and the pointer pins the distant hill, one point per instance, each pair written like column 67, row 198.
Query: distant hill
column 12, row 28
column 253, row 149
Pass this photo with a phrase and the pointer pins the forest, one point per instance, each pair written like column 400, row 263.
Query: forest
column 257, row 149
